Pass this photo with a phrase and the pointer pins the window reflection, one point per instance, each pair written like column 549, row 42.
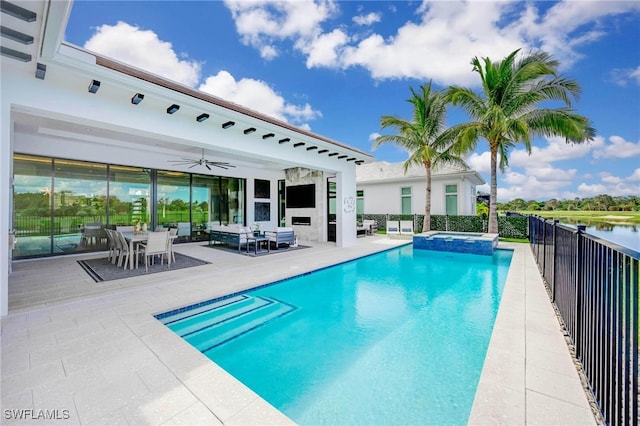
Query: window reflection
column 32, row 194
column 63, row 206
column 79, row 206
column 173, row 202
column 129, row 195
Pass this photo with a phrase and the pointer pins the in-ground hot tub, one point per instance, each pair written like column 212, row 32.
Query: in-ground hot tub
column 458, row 242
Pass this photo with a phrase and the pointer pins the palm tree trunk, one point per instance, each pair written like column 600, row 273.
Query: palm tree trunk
column 493, row 193
column 426, row 226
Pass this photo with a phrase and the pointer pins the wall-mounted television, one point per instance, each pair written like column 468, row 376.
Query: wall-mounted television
column 300, row 196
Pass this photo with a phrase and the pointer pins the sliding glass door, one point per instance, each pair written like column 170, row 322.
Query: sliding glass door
column 32, row 196
column 64, row 206
column 129, row 195
column 79, row 206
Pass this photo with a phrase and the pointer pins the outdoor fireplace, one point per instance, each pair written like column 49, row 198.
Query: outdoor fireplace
column 301, row 220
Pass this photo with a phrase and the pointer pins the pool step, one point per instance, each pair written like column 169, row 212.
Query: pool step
column 222, row 324
column 189, row 312
column 216, row 315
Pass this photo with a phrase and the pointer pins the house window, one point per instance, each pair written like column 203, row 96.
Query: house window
column 359, row 202
column 451, row 199
column 406, row 200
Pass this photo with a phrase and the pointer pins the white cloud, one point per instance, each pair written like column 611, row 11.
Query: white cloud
column 480, row 162
column 540, row 180
column 368, row 19
column 143, row 49
column 557, row 149
column 263, row 23
column 618, row 148
column 257, row 95
column 323, row 50
column 438, row 45
column 373, row 136
column 625, row 76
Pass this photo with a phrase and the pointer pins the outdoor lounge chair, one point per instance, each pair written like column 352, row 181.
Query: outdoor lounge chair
column 393, row 227
column 281, row 235
column 406, row 227
column 372, row 226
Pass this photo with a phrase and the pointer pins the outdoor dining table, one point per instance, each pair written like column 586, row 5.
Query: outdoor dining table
column 139, row 237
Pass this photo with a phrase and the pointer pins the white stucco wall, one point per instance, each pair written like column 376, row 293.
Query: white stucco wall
column 385, row 197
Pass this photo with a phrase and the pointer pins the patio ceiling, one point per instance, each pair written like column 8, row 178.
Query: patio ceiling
column 119, row 86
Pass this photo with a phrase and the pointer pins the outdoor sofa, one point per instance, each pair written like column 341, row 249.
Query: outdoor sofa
column 233, row 235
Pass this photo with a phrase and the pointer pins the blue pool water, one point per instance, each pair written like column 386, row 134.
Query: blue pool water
column 398, row 337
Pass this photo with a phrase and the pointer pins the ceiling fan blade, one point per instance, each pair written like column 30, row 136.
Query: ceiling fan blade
column 195, row 164
column 207, row 166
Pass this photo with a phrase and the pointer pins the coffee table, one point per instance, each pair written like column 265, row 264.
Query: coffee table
column 257, row 242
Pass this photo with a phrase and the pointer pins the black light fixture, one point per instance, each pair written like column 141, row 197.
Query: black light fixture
column 359, row 162
column 311, row 148
column 297, row 144
column 41, row 70
column 137, row 98
column 228, row 124
column 268, row 135
column 15, row 35
column 249, row 130
column 322, row 151
column 15, row 54
column 173, row 108
column 94, row 86
column 17, row 11
column 202, row 117
column 351, row 159
column 332, row 154
column 341, row 157
column 284, row 140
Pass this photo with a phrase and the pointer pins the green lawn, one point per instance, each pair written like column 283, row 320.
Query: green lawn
column 589, row 216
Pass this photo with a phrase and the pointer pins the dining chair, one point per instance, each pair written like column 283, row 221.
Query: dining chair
column 173, row 234
column 156, row 244
column 113, row 248
column 125, row 253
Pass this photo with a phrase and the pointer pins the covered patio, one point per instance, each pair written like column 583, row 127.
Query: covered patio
column 133, row 140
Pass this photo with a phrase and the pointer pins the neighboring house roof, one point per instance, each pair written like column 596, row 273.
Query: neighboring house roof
column 383, row 171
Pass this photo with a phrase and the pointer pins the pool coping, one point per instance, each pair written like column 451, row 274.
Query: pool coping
column 107, row 359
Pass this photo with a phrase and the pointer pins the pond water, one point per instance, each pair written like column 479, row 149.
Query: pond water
column 627, row 235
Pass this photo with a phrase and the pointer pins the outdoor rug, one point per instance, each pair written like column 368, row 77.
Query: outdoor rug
column 103, row 270
column 261, row 252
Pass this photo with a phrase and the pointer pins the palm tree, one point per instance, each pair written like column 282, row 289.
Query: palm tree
column 506, row 112
column 423, row 137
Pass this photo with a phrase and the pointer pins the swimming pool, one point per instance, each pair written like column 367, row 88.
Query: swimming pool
column 398, row 337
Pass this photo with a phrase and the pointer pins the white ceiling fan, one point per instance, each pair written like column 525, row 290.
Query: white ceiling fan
column 202, row 162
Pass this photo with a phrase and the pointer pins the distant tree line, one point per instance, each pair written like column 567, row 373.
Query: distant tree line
column 598, row 203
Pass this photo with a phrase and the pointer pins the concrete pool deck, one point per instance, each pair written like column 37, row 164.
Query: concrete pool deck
column 92, row 353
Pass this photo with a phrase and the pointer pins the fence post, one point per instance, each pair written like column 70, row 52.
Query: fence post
column 578, row 289
column 544, row 247
column 553, row 267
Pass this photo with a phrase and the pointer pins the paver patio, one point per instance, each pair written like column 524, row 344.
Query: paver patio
column 95, row 350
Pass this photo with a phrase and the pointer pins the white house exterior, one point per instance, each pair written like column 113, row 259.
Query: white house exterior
column 384, row 188
column 68, row 114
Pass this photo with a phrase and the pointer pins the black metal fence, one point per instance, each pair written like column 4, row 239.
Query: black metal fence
column 594, row 285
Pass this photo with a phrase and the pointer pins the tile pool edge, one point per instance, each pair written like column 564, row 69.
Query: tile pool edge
column 164, row 314
column 523, row 381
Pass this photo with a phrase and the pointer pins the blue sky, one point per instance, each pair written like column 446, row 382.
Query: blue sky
column 335, row 67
